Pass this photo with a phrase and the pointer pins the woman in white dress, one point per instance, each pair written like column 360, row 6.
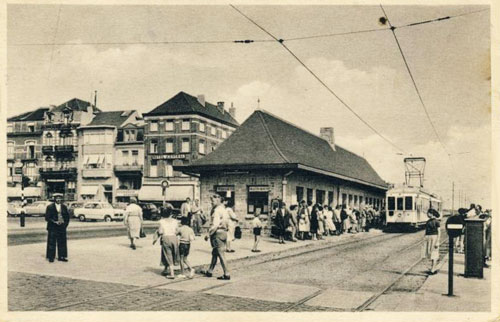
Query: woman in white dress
column 330, row 226
column 133, row 221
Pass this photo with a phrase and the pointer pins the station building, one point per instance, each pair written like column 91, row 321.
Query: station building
column 182, row 129
column 268, row 159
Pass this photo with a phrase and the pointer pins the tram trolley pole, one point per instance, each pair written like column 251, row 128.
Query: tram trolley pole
column 454, row 227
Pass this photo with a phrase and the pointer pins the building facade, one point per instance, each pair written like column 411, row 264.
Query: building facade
column 268, row 159
column 183, row 129
column 59, row 172
column 24, row 154
column 103, row 173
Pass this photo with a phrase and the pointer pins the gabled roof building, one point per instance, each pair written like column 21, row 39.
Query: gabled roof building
column 268, row 159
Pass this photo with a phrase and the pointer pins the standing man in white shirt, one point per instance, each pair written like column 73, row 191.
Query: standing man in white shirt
column 218, row 236
column 186, row 209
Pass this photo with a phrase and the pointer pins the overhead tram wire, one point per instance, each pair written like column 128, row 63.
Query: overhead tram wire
column 320, row 81
column 414, row 83
column 244, row 41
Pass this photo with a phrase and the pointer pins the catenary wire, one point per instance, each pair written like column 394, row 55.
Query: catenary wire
column 244, row 41
column 414, row 82
column 320, row 80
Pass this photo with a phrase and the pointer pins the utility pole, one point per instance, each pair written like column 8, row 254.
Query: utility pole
column 452, row 197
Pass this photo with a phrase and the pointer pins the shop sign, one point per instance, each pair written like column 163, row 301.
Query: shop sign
column 258, row 189
column 19, row 170
column 126, row 193
column 224, row 188
column 168, row 156
column 55, row 180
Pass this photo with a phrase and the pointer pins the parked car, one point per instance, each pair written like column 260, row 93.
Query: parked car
column 120, row 205
column 98, row 211
column 14, row 208
column 37, row 208
column 72, row 205
column 150, row 211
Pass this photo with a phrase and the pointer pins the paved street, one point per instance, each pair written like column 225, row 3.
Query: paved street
column 339, row 274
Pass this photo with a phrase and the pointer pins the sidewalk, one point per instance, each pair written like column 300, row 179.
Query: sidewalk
column 471, row 294
column 111, row 259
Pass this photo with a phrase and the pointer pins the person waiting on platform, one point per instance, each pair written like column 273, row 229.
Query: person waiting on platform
column 303, row 220
column 432, row 237
column 257, row 227
column 232, row 220
column 330, row 225
column 314, row 222
column 279, row 222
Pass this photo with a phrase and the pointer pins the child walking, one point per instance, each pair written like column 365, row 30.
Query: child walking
column 186, row 236
column 257, row 227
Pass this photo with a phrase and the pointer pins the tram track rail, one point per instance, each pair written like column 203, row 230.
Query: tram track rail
column 300, row 252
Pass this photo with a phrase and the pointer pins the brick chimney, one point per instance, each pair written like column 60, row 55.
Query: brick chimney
column 220, row 107
column 232, row 111
column 201, row 99
column 326, row 133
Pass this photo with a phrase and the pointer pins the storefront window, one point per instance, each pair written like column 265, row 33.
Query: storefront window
column 300, row 194
column 226, row 192
column 320, row 196
column 258, row 198
column 330, row 198
column 344, row 197
column 350, row 200
column 355, row 201
column 309, row 195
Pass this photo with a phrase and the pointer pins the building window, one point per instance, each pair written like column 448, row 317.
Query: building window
column 169, row 146
column 169, row 125
column 258, row 200
column 355, row 201
column 31, row 127
column 350, row 200
column 169, row 169
column 213, row 131
column 10, row 150
column 300, row 194
column 320, row 196
column 202, row 127
column 153, row 126
column 153, row 168
column 224, row 134
column 125, row 157
column 330, row 198
column 10, row 128
column 309, row 195
column 185, row 146
column 10, row 169
column 135, row 157
column 153, row 146
column 201, row 147
column 71, row 187
column 185, row 125
column 30, row 169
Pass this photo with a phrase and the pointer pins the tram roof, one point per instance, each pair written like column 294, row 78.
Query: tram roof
column 411, row 190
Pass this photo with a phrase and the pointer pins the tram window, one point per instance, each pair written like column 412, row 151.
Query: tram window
column 390, row 203
column 400, row 203
column 408, row 203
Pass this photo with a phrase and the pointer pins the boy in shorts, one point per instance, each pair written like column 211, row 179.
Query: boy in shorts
column 186, row 236
column 257, row 227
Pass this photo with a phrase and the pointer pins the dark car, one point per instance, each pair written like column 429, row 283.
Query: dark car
column 150, row 211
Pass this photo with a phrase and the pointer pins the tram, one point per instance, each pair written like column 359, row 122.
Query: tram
column 407, row 206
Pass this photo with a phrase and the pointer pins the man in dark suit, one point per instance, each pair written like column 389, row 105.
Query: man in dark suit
column 57, row 218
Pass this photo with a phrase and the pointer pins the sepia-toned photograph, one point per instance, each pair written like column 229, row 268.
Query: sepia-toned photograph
column 289, row 158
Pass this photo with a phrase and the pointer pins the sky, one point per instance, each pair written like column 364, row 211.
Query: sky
column 58, row 52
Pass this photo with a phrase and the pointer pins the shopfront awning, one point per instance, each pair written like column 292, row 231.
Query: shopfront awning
column 89, row 190
column 173, row 193
column 15, row 192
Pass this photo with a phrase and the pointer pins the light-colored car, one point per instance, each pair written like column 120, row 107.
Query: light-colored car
column 14, row 208
column 72, row 205
column 37, row 208
column 98, row 211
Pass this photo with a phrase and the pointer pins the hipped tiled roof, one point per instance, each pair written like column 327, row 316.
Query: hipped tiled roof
column 36, row 115
column 114, row 118
column 75, row 104
column 183, row 103
column 264, row 139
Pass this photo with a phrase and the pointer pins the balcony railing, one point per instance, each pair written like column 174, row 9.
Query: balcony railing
column 57, row 171
column 47, row 149
column 128, row 168
column 29, row 156
column 64, row 149
column 97, row 173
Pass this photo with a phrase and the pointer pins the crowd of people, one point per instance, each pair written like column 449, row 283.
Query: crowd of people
column 316, row 221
